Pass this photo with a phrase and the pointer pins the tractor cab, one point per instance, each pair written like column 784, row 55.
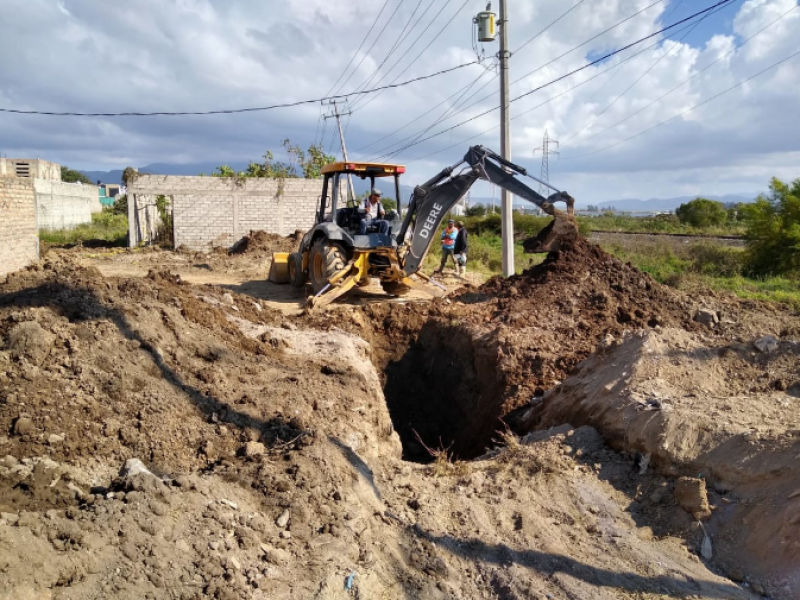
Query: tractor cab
column 336, row 209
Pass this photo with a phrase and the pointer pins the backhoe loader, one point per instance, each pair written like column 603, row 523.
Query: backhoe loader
column 335, row 258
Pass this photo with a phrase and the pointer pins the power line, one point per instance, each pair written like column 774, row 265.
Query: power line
column 549, row 26
column 238, row 110
column 361, row 45
column 433, row 39
column 438, row 120
column 478, row 101
column 396, row 43
column 562, row 77
column 688, row 110
column 427, row 112
column 619, row 70
column 548, row 101
column 685, row 81
column 375, row 41
column 643, row 75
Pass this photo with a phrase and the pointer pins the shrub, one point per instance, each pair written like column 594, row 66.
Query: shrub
column 702, row 212
column 773, row 231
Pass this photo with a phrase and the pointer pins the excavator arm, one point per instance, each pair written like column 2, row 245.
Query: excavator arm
column 432, row 200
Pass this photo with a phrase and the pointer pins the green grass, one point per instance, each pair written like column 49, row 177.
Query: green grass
column 705, row 265
column 485, row 256
column 105, row 227
column 655, row 224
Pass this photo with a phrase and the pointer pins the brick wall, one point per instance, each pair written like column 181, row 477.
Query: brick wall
column 19, row 242
column 214, row 211
column 65, row 205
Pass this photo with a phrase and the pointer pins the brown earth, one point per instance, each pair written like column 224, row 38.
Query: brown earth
column 301, row 456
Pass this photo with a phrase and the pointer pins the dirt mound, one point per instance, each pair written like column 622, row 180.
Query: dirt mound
column 261, row 242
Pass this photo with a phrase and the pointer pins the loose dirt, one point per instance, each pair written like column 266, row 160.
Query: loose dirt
column 571, row 432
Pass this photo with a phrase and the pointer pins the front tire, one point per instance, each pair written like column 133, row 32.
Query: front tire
column 297, row 277
column 326, row 259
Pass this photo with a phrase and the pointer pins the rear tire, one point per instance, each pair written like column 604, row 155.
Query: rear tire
column 297, row 277
column 326, row 259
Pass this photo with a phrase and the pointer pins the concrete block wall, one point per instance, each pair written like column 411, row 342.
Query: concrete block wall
column 30, row 168
column 215, row 211
column 19, row 241
column 65, row 205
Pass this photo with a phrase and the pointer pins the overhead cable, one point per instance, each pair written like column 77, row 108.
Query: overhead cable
column 690, row 109
column 237, row 110
column 566, row 75
column 361, row 45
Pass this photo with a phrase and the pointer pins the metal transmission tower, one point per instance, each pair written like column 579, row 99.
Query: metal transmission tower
column 546, row 151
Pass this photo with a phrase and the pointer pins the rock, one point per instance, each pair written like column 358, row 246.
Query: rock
column 283, row 520
column 758, row 588
column 23, row 426
column 9, row 518
column 766, row 344
column 706, row 317
column 30, row 341
column 134, row 467
column 276, row 556
column 736, row 575
column 55, row 439
column 286, row 535
column 253, row 449
column 229, row 504
column 691, row 495
column 257, row 306
column 235, row 563
column 227, row 298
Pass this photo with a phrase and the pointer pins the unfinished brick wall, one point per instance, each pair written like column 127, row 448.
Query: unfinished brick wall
column 65, row 205
column 214, row 211
column 19, row 242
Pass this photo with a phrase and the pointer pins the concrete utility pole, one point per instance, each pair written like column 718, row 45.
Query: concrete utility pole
column 507, row 203
column 338, row 115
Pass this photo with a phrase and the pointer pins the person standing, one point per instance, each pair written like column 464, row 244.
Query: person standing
column 449, row 236
column 460, row 249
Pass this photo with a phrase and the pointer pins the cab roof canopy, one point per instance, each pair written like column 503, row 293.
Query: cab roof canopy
column 364, row 170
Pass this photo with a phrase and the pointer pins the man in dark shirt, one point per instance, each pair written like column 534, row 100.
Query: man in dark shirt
column 460, row 249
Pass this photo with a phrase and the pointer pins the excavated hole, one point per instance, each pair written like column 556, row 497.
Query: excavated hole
column 442, row 392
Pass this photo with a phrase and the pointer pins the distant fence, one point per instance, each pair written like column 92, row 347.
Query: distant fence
column 212, row 212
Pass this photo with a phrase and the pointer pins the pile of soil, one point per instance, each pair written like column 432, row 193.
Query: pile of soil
column 261, row 243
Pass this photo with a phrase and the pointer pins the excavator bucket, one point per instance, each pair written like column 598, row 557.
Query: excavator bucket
column 560, row 234
column 279, row 269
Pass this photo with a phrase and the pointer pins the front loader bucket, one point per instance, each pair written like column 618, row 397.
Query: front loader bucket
column 560, row 234
column 279, row 269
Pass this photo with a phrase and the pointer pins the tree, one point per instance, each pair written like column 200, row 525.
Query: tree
column 479, row 210
column 702, row 212
column 301, row 164
column 129, row 175
column 72, row 176
column 773, row 230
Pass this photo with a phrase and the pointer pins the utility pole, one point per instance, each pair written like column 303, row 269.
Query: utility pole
column 507, row 202
column 338, row 115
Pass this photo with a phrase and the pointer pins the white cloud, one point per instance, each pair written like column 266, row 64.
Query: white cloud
column 147, row 55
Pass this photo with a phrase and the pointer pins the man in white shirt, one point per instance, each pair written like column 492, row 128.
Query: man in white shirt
column 373, row 214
